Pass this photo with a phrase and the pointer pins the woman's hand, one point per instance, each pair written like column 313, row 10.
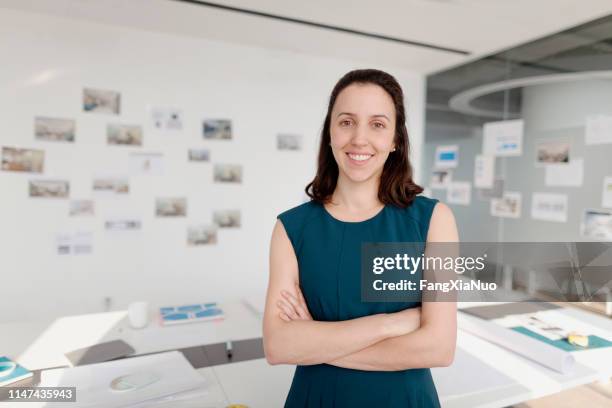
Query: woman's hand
column 293, row 307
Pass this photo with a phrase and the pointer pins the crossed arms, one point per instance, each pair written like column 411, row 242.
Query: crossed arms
column 413, row 338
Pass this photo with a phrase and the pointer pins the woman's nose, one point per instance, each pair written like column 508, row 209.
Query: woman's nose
column 360, row 136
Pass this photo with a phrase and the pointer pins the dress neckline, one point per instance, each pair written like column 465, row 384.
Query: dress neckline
column 372, row 218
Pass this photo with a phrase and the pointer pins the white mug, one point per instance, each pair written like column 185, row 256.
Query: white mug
column 138, row 314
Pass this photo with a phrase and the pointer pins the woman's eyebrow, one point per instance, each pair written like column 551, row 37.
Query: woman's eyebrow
column 380, row 115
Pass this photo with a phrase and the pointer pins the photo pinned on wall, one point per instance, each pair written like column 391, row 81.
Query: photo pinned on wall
column 78, row 243
column 199, row 155
column 101, row 101
column 565, row 175
column 598, row 129
column 606, row 200
column 228, row 173
column 459, row 192
column 123, row 224
column 127, row 135
column 286, row 141
column 146, row 164
column 166, row 119
column 82, row 208
column 497, row 191
column 503, row 138
column 201, row 235
column 552, row 152
column 171, row 207
column 484, row 171
column 597, row 224
column 54, row 129
column 217, row 129
column 111, row 186
column 509, row 206
column 23, row 160
column 49, row 188
column 227, row 218
column 440, row 178
column 549, row 207
column 447, row 157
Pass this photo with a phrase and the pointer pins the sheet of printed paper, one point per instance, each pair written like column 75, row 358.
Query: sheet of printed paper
column 447, row 157
column 598, row 130
column 503, row 138
column 459, row 192
column 565, row 175
column 484, row 171
column 549, row 207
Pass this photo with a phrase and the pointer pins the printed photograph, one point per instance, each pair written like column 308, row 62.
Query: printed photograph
column 169, row 119
column 26, row 160
column 227, row 218
column 49, row 188
column 123, row 225
column 111, row 186
column 146, row 164
column 54, row 129
column 228, row 173
column 218, row 129
column 199, row 155
column 171, row 207
column 101, row 101
column 597, row 224
column 288, row 142
column 509, row 206
column 81, row 208
column 552, row 152
column 440, row 178
column 201, row 235
column 130, row 135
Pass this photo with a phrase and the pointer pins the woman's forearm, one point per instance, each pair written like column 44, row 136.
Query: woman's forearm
column 423, row 348
column 306, row 342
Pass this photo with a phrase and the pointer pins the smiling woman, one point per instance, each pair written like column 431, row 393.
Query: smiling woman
column 351, row 353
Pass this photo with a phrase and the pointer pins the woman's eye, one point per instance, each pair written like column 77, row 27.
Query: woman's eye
column 345, row 123
column 379, row 125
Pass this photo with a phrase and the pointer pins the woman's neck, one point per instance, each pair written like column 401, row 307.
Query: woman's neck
column 356, row 197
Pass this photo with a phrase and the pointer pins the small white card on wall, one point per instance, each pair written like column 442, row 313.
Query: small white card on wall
column 459, row 192
column 598, row 130
column 503, row 138
column 549, row 207
column 566, row 175
column 446, row 157
column 484, row 171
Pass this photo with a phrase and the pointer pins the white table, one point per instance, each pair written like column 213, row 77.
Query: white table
column 258, row 384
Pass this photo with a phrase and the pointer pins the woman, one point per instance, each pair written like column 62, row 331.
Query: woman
column 351, row 353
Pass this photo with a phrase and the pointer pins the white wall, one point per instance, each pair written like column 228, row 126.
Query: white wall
column 46, row 61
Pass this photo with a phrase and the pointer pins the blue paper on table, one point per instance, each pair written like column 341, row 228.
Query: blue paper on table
column 11, row 372
column 198, row 312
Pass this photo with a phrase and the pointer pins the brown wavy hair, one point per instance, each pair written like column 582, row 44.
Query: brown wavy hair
column 396, row 184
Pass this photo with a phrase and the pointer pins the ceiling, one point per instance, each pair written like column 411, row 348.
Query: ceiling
column 478, row 27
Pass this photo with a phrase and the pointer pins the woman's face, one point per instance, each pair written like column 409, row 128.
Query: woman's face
column 362, row 130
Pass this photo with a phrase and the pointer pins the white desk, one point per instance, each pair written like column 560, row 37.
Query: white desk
column 257, row 384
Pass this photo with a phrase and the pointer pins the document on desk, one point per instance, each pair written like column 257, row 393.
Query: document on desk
column 125, row 382
column 468, row 375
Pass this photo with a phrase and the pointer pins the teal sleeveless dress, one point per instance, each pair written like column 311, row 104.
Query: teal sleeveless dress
column 328, row 255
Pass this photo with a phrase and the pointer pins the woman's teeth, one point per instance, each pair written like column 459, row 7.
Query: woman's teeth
column 359, row 157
